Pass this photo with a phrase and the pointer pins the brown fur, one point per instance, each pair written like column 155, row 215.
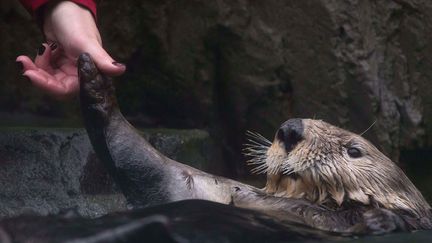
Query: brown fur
column 320, row 170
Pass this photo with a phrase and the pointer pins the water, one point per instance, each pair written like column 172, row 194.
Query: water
column 185, row 221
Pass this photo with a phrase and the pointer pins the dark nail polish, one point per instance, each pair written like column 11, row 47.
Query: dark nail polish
column 53, row 46
column 19, row 65
column 118, row 64
column 41, row 50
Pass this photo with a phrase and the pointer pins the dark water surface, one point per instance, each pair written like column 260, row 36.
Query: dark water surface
column 185, row 221
column 419, row 236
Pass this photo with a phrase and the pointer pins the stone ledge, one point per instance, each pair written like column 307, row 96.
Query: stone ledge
column 51, row 170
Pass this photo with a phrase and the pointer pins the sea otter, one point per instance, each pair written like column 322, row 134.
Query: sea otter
column 318, row 175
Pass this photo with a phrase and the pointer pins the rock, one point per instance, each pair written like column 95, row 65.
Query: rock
column 50, row 171
column 251, row 65
column 231, row 66
column 193, row 147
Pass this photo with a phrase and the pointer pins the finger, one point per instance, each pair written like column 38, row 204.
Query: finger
column 40, row 79
column 56, row 52
column 58, row 87
column 43, row 58
column 27, row 63
column 105, row 62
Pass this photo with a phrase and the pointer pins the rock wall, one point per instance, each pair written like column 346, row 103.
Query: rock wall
column 252, row 64
column 55, row 171
column 231, row 66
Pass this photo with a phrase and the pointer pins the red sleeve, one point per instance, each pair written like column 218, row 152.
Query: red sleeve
column 33, row 5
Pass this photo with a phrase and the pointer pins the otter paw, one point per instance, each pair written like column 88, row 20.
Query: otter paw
column 93, row 84
column 243, row 197
column 380, row 221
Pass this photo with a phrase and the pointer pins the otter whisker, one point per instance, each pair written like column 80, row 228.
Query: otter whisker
column 274, row 170
column 260, row 169
column 260, row 163
column 255, row 147
column 255, row 157
column 256, row 150
column 291, row 165
column 287, row 171
column 256, row 137
column 361, row 134
column 256, row 160
column 257, row 143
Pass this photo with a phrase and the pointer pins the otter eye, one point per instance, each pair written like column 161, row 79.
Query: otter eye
column 354, row 152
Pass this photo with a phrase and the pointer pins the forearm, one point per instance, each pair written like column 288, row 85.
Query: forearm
column 35, row 6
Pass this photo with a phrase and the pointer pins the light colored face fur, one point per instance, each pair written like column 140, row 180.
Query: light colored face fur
column 330, row 163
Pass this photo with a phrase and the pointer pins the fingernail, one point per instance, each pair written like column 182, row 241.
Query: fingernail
column 118, row 64
column 19, row 65
column 53, row 46
column 41, row 50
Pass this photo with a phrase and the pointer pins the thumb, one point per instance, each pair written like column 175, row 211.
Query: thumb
column 105, row 63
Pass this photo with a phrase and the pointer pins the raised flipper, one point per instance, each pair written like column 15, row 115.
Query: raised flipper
column 145, row 176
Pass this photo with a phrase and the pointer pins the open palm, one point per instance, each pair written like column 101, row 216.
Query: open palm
column 71, row 30
column 52, row 72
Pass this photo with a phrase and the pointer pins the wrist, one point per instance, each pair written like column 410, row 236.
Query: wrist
column 63, row 20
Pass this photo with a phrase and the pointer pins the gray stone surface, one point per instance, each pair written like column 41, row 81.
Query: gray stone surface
column 51, row 171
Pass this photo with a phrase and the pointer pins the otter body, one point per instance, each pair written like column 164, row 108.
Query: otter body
column 294, row 191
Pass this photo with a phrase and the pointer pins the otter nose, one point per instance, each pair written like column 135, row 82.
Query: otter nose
column 290, row 133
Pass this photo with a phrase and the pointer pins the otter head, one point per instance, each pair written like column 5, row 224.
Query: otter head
column 318, row 162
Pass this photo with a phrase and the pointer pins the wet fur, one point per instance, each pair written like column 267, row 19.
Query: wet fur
column 319, row 169
column 147, row 177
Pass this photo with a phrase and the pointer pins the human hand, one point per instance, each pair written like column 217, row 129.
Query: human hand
column 71, row 30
